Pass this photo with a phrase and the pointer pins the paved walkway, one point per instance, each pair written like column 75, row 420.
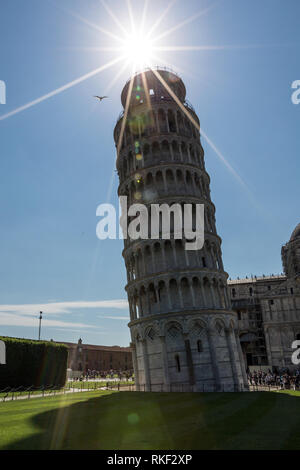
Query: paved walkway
column 28, row 396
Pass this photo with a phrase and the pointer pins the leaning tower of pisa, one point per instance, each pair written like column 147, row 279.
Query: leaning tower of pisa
column 183, row 331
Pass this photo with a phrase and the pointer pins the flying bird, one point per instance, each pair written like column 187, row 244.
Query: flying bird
column 100, row 98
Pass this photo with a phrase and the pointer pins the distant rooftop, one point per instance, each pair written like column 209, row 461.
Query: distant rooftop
column 97, row 347
column 253, row 279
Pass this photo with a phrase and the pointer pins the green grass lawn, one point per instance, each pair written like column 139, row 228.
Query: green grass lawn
column 133, row 420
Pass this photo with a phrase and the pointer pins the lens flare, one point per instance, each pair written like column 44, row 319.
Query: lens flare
column 138, row 49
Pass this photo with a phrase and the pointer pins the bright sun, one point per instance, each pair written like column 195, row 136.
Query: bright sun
column 138, row 50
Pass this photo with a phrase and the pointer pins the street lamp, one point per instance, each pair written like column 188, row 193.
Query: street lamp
column 41, row 313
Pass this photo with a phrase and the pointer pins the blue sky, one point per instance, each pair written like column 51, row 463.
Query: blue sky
column 58, row 156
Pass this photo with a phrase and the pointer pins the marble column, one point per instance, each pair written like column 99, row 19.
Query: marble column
column 164, row 353
column 214, row 361
column 241, row 357
column 228, row 333
column 146, row 365
column 135, row 367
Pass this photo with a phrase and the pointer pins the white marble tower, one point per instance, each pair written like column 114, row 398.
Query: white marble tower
column 184, row 333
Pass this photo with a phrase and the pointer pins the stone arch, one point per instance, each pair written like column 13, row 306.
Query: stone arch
column 172, row 121
column 180, row 180
column 169, row 256
column 184, row 152
column 178, row 363
column 174, row 294
column 155, row 151
column 197, row 184
column 180, row 254
column 143, row 300
column 219, row 326
column 192, row 154
column 132, row 267
column 188, row 126
column 176, row 151
column 170, row 179
column 153, row 298
column 217, row 298
column 159, row 181
column 208, row 254
column 162, row 121
column 149, row 179
column 198, row 158
column 165, row 149
column 163, row 296
column 157, row 250
column 139, row 261
column 150, row 332
column 170, row 326
column 151, row 125
column 180, row 122
column 134, row 127
column 143, row 124
column 148, row 260
column 196, row 285
column 232, row 325
column 207, row 292
column 197, row 326
column 136, row 335
column 188, row 179
column 146, row 154
column 186, row 293
column 222, row 293
column 136, row 305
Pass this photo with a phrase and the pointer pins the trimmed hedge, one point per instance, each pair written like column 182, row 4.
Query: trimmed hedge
column 37, row 363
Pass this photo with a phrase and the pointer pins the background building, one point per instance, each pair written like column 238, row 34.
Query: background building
column 82, row 357
column 268, row 310
column 182, row 327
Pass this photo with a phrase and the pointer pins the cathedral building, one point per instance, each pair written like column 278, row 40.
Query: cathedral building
column 268, row 310
column 184, row 332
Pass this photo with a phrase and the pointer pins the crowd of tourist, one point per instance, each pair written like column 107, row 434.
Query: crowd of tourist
column 111, row 374
column 283, row 380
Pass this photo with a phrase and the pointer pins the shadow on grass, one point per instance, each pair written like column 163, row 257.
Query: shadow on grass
column 133, row 420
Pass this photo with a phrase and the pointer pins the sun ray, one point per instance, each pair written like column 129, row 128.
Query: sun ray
column 205, row 136
column 185, row 22
column 131, row 16
column 124, row 121
column 95, row 48
column 61, row 89
column 116, row 77
column 146, row 3
column 113, row 16
column 168, row 64
column 211, row 48
column 146, row 88
column 89, row 23
column 161, row 17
